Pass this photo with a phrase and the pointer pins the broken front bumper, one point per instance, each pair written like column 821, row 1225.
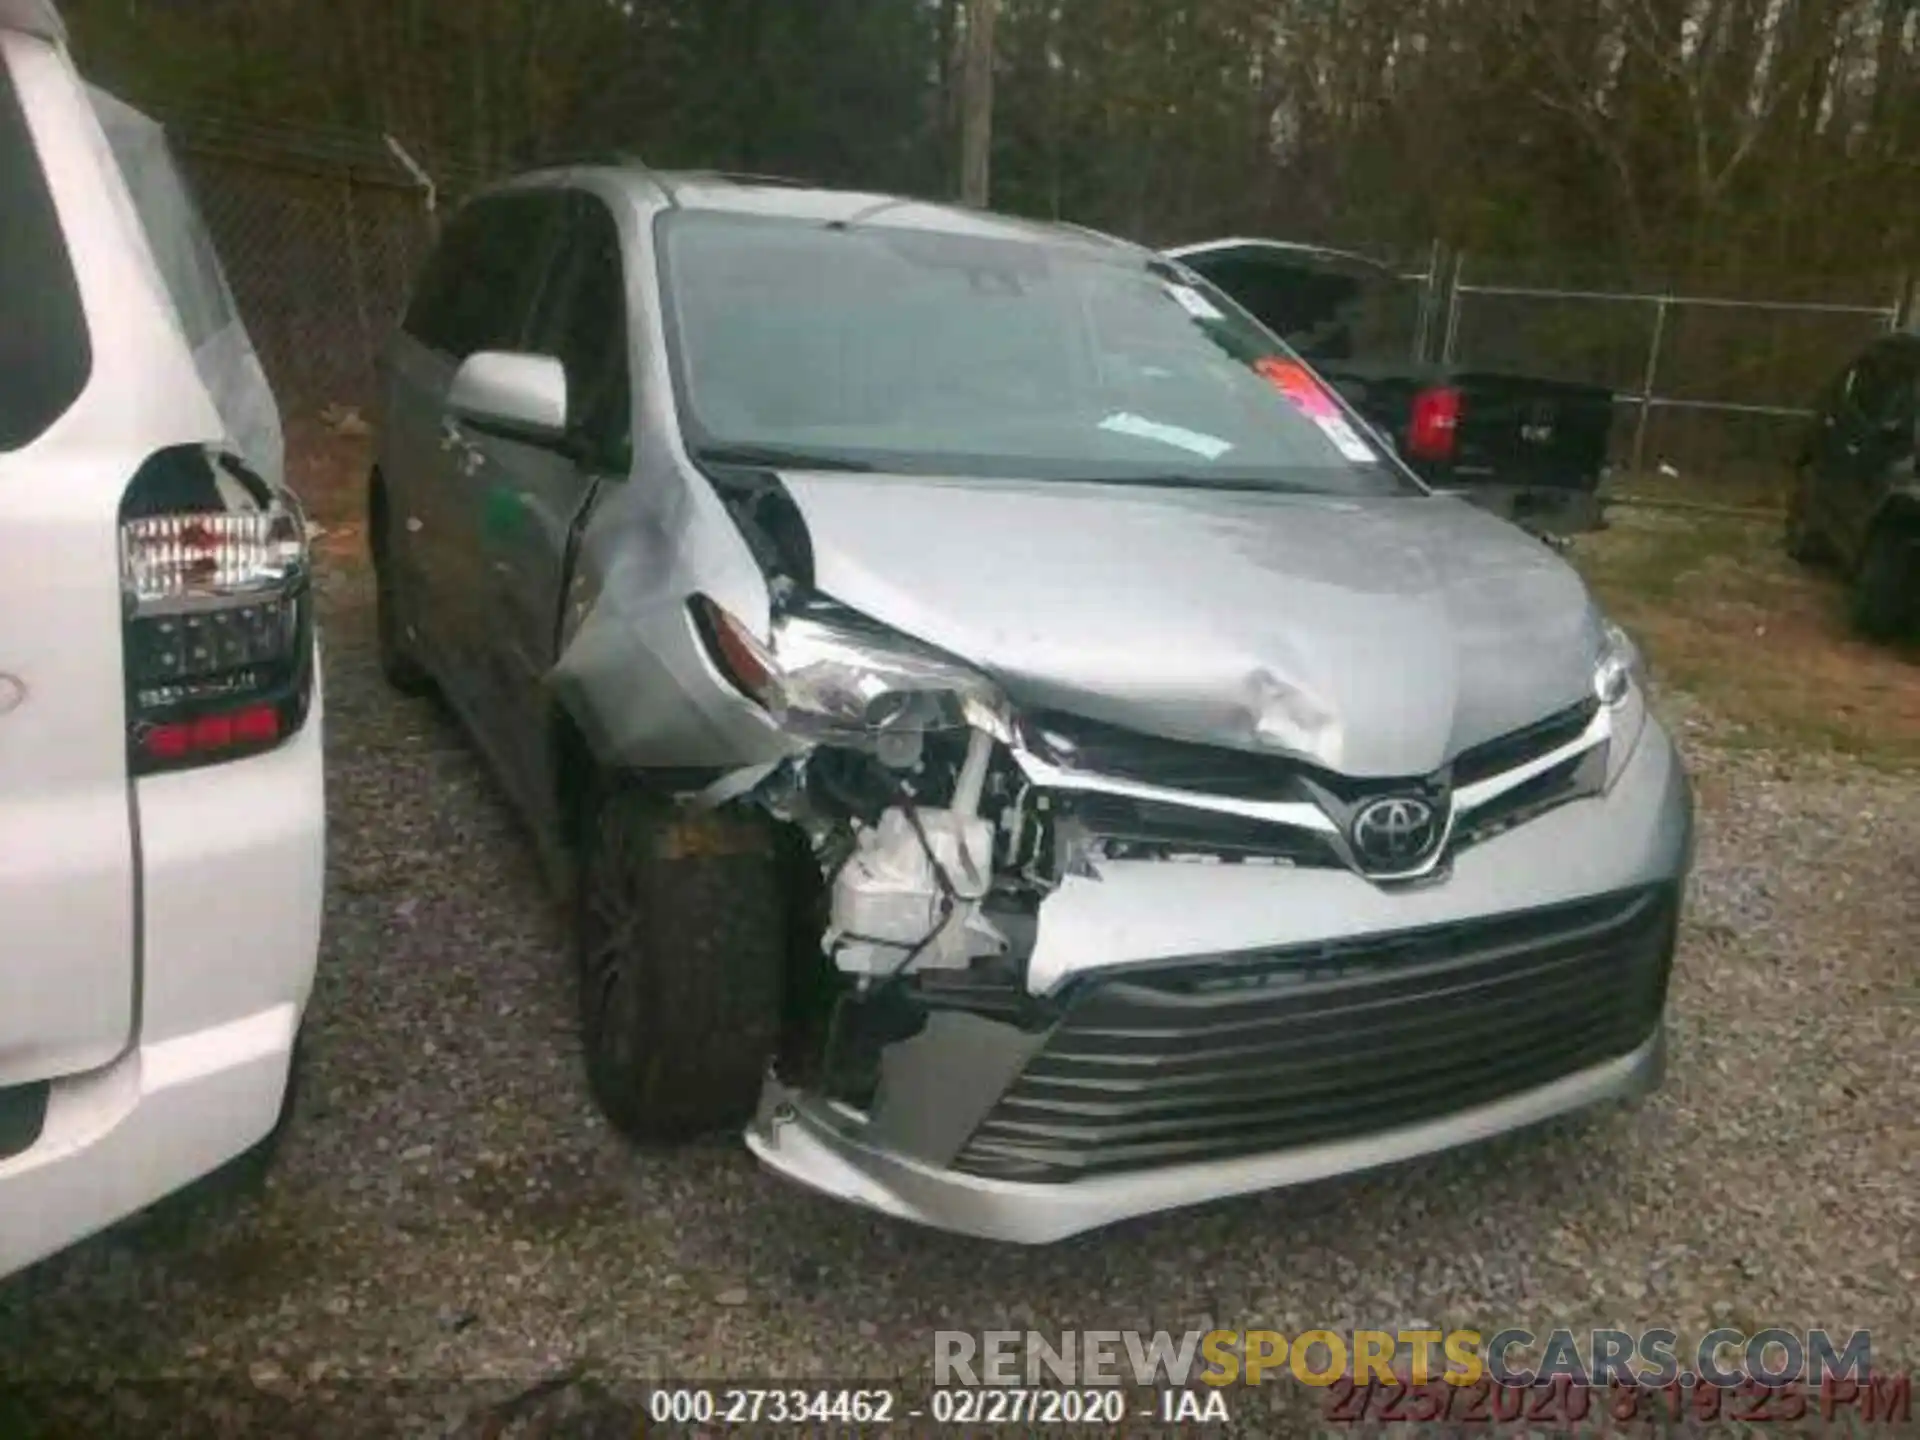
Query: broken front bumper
column 1222, row 1029
column 810, row 1143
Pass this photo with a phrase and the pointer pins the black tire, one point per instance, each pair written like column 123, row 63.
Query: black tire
column 1802, row 542
column 1886, row 590
column 681, row 936
column 398, row 664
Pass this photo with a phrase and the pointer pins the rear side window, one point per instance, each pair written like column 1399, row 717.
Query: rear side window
column 45, row 356
column 477, row 290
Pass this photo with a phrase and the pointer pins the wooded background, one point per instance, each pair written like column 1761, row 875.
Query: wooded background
column 1751, row 148
column 1692, row 139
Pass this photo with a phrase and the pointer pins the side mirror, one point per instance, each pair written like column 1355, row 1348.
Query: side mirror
column 517, row 397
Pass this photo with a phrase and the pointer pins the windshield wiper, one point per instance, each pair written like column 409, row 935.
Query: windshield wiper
column 777, row 457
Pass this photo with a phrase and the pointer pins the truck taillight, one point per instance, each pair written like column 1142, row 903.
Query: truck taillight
column 1434, row 428
column 219, row 630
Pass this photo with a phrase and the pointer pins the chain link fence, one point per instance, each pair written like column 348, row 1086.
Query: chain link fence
column 321, row 252
column 1712, row 387
column 321, row 238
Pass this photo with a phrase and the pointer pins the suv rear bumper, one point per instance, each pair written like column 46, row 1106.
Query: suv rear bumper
column 158, row 1118
column 232, row 862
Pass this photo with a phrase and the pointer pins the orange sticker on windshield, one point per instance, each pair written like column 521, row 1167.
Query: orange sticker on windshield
column 1307, row 395
column 1297, row 383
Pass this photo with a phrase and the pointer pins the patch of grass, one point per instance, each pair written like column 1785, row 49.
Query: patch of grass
column 1760, row 642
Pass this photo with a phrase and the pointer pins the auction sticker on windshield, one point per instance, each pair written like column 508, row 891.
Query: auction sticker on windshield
column 1194, row 303
column 1310, row 398
column 1209, row 447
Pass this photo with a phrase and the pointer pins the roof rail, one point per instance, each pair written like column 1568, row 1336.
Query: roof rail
column 1089, row 233
column 610, row 159
column 749, row 177
column 1308, row 248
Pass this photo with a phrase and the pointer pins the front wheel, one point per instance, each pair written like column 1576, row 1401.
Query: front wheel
column 681, row 936
column 1886, row 592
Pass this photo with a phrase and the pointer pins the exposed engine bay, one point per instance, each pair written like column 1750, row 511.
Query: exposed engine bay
column 934, row 856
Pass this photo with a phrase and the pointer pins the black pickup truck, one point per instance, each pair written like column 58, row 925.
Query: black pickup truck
column 1533, row 450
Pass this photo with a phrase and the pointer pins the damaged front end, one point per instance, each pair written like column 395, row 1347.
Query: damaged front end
column 934, row 852
column 930, row 867
column 1070, row 972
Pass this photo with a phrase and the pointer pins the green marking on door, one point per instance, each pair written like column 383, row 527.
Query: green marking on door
column 500, row 519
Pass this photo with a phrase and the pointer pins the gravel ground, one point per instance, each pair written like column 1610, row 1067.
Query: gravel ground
column 448, row 1205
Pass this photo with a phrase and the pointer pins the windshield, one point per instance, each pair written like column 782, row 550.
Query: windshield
column 924, row 352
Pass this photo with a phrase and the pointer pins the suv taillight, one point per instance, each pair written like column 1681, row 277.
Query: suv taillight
column 1435, row 425
column 219, row 626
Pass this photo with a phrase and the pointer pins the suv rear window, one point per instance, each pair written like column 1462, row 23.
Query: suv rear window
column 44, row 353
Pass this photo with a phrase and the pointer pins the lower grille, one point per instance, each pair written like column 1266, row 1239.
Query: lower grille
column 1249, row 1054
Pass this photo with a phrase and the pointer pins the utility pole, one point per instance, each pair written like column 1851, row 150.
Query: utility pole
column 976, row 105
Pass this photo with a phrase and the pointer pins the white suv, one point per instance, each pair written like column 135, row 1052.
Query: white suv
column 161, row 817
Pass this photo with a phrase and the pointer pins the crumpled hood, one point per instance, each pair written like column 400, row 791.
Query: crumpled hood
column 1376, row 637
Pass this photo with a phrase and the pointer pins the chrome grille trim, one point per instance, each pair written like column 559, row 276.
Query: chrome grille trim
column 1313, row 819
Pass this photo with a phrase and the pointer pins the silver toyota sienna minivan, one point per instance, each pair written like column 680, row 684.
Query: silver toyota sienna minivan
column 1016, row 741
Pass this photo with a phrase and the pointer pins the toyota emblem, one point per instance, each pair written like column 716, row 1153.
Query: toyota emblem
column 1395, row 833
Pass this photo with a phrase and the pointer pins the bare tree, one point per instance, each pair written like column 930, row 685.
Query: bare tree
column 976, row 116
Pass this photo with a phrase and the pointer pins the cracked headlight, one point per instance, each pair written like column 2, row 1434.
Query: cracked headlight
column 831, row 674
column 1619, row 681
